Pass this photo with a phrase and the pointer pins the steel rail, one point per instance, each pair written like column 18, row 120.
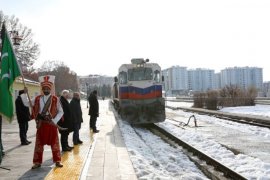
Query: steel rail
column 240, row 118
column 217, row 165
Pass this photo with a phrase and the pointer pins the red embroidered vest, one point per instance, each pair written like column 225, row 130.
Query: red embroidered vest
column 53, row 106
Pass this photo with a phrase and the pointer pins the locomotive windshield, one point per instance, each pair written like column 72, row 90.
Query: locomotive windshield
column 157, row 76
column 139, row 74
column 123, row 77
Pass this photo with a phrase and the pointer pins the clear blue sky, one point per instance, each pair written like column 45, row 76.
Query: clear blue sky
column 97, row 36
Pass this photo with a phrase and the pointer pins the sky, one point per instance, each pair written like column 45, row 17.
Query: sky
column 96, row 37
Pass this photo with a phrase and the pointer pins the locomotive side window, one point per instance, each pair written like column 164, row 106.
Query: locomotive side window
column 139, row 74
column 123, row 77
column 157, row 76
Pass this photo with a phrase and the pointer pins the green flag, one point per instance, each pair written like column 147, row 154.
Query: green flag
column 9, row 71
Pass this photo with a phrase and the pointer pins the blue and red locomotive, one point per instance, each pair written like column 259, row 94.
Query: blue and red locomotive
column 137, row 92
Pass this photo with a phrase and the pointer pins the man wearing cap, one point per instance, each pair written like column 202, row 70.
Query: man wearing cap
column 47, row 111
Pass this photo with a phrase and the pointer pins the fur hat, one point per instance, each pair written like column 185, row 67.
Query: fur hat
column 46, row 81
column 21, row 92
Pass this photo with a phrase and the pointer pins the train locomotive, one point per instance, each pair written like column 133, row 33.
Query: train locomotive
column 137, row 92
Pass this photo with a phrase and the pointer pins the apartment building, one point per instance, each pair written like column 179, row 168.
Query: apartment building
column 244, row 77
column 94, row 80
column 201, row 79
column 179, row 80
column 175, row 80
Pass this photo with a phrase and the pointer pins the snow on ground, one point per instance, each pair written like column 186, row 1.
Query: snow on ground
column 250, row 167
column 178, row 104
column 257, row 110
column 258, row 131
column 154, row 159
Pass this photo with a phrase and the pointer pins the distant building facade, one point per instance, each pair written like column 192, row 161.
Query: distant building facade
column 94, row 80
column 201, row 79
column 244, row 77
column 217, row 81
column 266, row 89
column 175, row 80
column 179, row 80
column 33, row 87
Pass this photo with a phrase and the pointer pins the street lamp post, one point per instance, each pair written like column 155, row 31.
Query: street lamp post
column 15, row 37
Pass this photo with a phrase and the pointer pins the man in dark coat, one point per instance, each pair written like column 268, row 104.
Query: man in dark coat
column 93, row 110
column 23, row 116
column 76, row 112
column 66, row 121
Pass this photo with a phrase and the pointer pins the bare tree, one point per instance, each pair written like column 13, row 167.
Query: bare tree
column 232, row 95
column 233, row 91
column 212, row 99
column 28, row 51
column 199, row 100
column 251, row 94
column 64, row 77
column 51, row 65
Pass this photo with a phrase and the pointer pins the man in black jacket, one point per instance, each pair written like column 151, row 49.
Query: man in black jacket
column 66, row 121
column 23, row 116
column 93, row 110
column 76, row 112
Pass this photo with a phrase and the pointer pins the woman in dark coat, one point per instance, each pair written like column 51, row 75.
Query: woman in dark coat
column 93, row 110
column 66, row 121
column 76, row 112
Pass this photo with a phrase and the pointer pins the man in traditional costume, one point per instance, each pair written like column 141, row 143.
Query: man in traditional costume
column 47, row 111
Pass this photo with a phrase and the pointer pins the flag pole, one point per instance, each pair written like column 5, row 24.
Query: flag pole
column 30, row 102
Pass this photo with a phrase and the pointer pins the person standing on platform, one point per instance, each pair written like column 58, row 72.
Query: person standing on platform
column 2, row 152
column 23, row 116
column 93, row 110
column 76, row 112
column 47, row 111
column 66, row 122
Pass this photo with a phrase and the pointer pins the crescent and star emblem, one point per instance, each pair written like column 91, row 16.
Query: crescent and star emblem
column 7, row 75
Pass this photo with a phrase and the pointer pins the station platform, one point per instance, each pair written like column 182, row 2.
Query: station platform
column 102, row 156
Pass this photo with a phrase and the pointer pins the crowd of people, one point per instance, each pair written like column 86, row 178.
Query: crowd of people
column 53, row 115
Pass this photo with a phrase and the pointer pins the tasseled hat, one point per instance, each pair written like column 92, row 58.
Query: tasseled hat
column 46, row 81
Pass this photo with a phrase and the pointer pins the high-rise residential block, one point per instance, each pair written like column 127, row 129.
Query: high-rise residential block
column 244, row 77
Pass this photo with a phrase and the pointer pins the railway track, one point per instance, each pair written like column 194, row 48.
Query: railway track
column 263, row 101
column 218, row 170
column 240, row 118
